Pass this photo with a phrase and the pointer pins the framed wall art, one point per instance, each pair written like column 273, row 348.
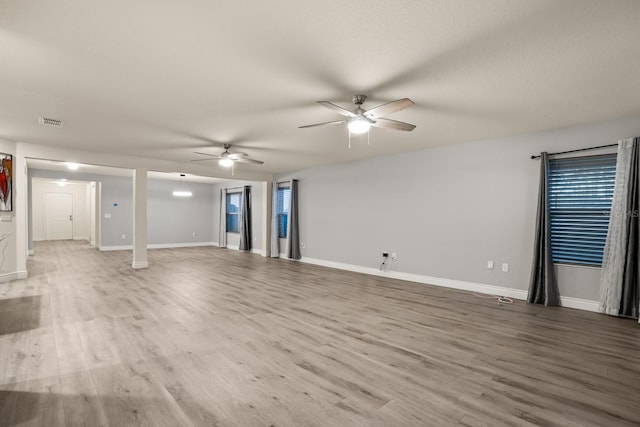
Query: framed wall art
column 6, row 182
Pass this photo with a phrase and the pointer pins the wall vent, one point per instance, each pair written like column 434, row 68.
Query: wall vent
column 46, row 121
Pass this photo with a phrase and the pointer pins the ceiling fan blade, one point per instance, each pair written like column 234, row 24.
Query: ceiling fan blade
column 203, row 160
column 215, row 156
column 322, row 124
column 338, row 109
column 252, row 161
column 236, row 156
column 393, row 124
column 389, row 107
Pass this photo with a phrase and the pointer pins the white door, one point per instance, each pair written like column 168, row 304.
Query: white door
column 58, row 209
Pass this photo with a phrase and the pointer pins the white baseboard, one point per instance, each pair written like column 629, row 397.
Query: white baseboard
column 259, row 252
column 158, row 246
column 520, row 294
column 580, row 304
column 117, row 248
column 16, row 275
column 179, row 245
column 140, row 264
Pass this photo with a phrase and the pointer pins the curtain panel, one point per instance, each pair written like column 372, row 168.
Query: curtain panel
column 222, row 236
column 619, row 286
column 274, row 250
column 293, row 233
column 543, row 287
column 245, row 219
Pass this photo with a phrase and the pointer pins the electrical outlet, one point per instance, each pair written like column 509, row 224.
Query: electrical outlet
column 303, row 245
column 490, row 264
column 124, row 236
column 394, row 255
column 195, row 234
column 505, row 267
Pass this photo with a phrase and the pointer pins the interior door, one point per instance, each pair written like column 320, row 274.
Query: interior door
column 58, row 209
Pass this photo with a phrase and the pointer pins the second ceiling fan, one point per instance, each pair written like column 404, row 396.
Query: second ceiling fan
column 360, row 120
column 227, row 159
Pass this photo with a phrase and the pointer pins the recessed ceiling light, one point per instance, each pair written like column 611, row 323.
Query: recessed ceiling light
column 182, row 193
column 72, row 166
column 61, row 184
column 47, row 121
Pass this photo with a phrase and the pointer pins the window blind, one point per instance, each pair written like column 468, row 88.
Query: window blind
column 580, row 195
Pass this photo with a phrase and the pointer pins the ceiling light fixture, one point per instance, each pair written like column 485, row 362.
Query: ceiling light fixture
column 182, row 193
column 61, row 184
column 72, row 166
column 225, row 162
column 359, row 125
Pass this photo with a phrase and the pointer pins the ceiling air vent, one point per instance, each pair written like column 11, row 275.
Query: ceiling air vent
column 45, row 121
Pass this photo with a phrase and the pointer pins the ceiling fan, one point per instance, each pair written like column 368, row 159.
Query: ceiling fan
column 227, row 159
column 361, row 120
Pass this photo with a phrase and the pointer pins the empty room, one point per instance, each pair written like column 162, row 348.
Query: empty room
column 296, row 213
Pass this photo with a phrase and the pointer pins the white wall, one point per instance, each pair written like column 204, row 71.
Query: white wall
column 81, row 208
column 445, row 211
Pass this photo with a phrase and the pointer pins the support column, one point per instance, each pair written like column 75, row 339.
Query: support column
column 266, row 218
column 20, row 208
column 140, row 219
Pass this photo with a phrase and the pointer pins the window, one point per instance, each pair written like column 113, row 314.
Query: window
column 233, row 212
column 283, row 200
column 580, row 194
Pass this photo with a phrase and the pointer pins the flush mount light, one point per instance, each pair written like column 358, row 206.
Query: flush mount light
column 61, row 184
column 182, row 193
column 72, row 166
column 225, row 162
column 359, row 125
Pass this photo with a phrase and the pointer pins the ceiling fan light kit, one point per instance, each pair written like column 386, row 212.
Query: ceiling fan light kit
column 359, row 125
column 225, row 162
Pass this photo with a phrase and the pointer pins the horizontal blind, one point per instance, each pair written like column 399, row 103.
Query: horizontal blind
column 282, row 210
column 580, row 195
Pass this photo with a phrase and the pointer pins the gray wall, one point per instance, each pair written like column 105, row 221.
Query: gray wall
column 257, row 211
column 169, row 219
column 445, row 211
column 173, row 219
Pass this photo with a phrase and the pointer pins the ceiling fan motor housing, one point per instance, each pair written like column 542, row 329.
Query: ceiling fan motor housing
column 359, row 99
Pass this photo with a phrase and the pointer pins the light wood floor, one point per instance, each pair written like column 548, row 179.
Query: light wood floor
column 208, row 336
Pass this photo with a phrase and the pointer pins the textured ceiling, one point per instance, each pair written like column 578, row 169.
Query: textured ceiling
column 161, row 79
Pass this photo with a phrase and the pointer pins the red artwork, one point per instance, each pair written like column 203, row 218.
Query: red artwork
column 5, row 183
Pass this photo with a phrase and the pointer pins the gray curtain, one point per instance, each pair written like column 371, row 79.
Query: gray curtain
column 222, row 239
column 543, row 288
column 245, row 219
column 274, row 251
column 619, row 288
column 293, row 234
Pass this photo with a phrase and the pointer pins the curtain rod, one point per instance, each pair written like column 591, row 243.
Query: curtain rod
column 578, row 150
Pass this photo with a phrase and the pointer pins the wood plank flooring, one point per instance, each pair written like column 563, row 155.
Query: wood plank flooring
column 214, row 337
